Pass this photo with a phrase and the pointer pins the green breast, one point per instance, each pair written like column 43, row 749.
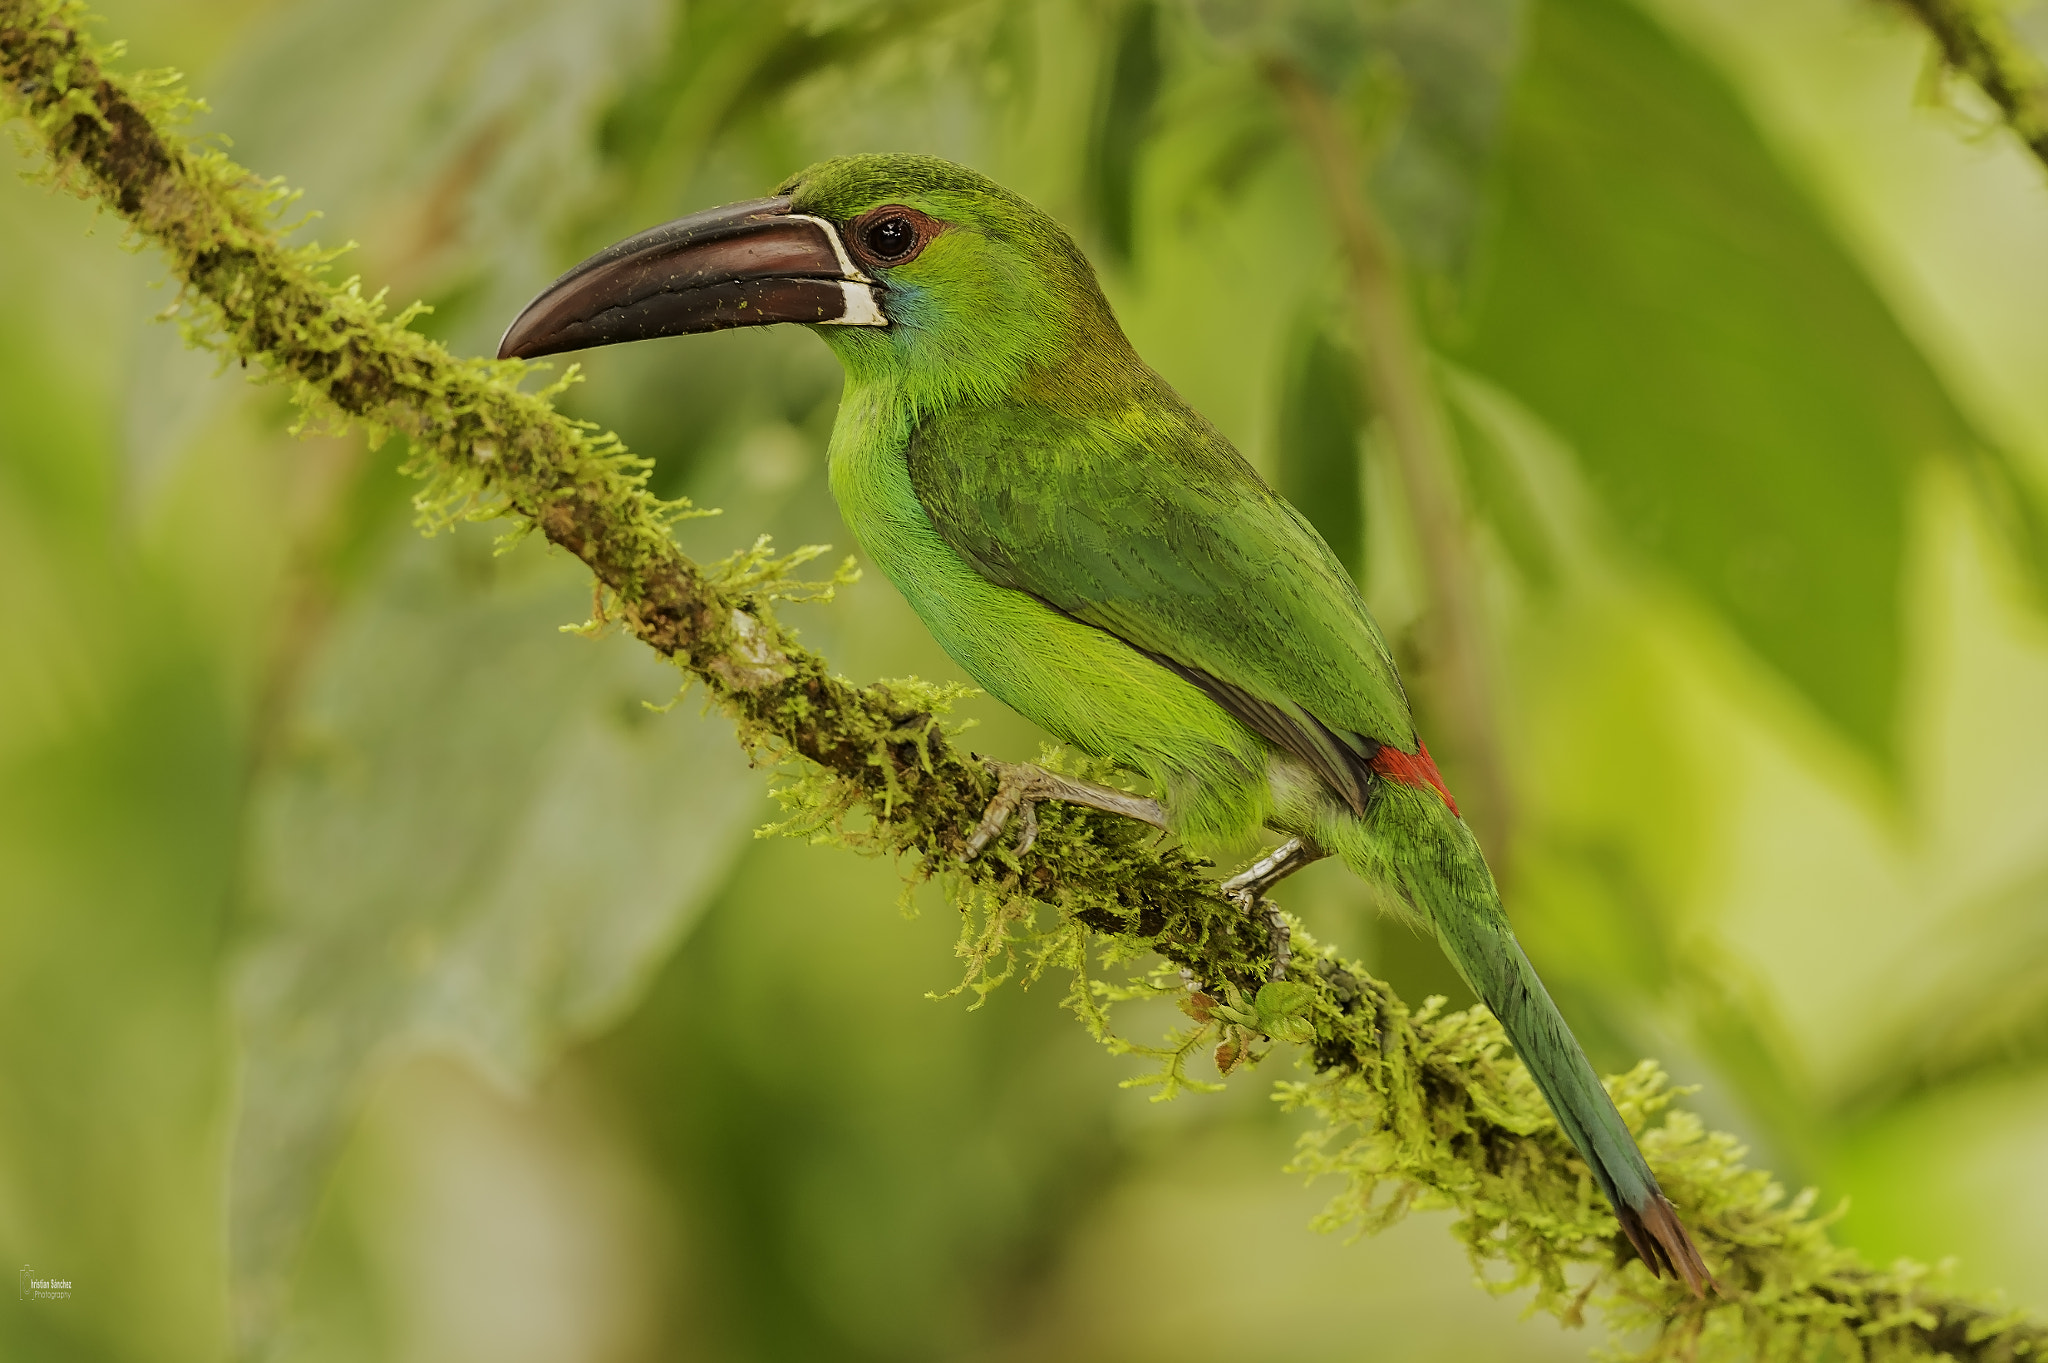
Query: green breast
column 1080, row 684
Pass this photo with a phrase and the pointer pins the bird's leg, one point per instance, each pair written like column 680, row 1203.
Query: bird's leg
column 1248, row 890
column 1020, row 785
column 1269, row 870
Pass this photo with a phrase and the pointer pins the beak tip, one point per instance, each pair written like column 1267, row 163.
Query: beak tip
column 515, row 344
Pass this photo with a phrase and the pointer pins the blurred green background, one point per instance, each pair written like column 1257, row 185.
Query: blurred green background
column 381, row 979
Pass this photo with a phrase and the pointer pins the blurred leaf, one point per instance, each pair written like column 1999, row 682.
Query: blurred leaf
column 1666, row 298
column 1456, row 59
column 455, row 137
column 1605, row 876
column 1322, row 415
column 1956, row 1173
column 2026, row 21
column 1130, row 92
column 120, row 786
column 692, row 404
column 727, row 83
column 1987, row 1009
column 1503, row 494
column 870, row 1175
column 1616, row 951
column 119, row 840
column 478, row 839
column 2016, row 512
column 1427, row 81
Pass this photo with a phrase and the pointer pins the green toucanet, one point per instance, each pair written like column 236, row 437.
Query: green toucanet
column 1096, row 555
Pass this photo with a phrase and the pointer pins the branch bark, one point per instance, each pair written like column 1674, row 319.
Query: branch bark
column 1418, row 1108
column 1975, row 40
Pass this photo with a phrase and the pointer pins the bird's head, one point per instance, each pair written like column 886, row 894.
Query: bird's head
column 918, row 272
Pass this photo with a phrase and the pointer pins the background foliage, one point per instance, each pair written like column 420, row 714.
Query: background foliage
column 359, row 921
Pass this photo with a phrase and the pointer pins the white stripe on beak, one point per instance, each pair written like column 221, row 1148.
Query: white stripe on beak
column 861, row 308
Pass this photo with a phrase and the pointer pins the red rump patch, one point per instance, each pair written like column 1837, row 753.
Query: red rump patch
column 1412, row 769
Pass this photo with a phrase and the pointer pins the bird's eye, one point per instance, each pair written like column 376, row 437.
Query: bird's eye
column 893, row 234
column 890, row 237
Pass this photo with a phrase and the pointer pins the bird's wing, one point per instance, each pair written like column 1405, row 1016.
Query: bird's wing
column 1151, row 526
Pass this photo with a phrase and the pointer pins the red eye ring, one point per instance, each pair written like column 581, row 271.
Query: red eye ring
column 893, row 234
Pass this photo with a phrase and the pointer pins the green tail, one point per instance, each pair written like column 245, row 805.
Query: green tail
column 1409, row 841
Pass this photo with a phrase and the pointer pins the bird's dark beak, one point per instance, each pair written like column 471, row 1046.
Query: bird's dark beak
column 748, row 264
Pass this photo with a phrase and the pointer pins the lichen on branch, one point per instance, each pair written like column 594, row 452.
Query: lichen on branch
column 1416, row 1107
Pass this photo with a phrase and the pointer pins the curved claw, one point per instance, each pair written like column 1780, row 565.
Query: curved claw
column 1020, row 786
column 1277, row 931
column 1011, row 794
column 1030, row 833
column 1247, row 890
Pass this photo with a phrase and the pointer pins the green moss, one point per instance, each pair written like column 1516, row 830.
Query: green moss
column 1415, row 1108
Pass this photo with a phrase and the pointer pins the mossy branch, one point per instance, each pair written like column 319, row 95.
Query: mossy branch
column 1419, row 1108
column 1975, row 40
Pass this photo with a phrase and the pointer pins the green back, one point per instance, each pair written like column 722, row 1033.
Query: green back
column 1142, row 520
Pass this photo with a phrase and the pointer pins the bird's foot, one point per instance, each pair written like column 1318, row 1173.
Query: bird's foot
column 1247, row 890
column 1019, row 788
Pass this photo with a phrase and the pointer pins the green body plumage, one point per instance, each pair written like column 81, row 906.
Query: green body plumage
column 1097, row 556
